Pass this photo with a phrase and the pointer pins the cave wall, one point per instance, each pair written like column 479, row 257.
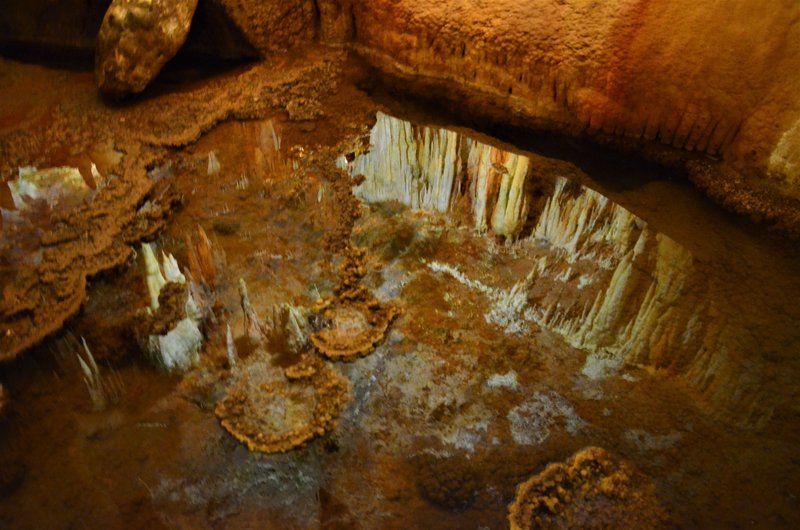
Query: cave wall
column 717, row 78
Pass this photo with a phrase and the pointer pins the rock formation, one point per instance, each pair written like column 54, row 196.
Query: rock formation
column 136, row 40
column 590, row 490
column 642, row 73
column 600, row 278
column 271, row 413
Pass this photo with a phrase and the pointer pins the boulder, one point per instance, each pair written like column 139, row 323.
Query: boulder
column 136, row 40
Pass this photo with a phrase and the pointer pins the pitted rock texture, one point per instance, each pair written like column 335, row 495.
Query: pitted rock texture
column 272, row 26
column 136, row 40
column 717, row 79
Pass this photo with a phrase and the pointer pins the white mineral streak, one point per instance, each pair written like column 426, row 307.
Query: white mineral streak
column 52, row 185
column 179, row 348
column 414, row 165
column 230, row 347
column 213, row 163
column 578, row 219
column 507, row 309
column 428, row 168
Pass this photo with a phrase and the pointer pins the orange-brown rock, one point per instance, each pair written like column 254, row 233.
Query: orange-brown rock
column 271, row 414
column 355, row 329
column 712, row 78
column 356, row 321
column 272, row 26
column 136, row 40
column 590, row 490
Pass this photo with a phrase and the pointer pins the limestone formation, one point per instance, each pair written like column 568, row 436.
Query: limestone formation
column 355, row 328
column 170, row 331
column 136, row 40
column 76, row 243
column 271, row 26
column 591, row 490
column 355, row 322
column 599, row 277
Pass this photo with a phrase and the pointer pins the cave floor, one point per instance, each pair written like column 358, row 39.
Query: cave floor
column 451, row 411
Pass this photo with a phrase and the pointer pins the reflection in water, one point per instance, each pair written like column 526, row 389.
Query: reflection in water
column 604, row 280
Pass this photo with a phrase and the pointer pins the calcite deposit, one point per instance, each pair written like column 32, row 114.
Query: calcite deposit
column 78, row 243
column 271, row 413
column 602, row 278
column 635, row 73
column 590, row 490
column 354, row 321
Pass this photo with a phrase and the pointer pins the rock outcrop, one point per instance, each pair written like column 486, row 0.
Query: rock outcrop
column 136, row 40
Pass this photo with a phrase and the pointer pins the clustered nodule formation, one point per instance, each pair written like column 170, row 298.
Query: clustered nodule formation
column 592, row 490
column 357, row 320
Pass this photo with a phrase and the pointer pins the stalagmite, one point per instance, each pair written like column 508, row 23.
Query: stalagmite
column 252, row 324
column 230, row 347
column 286, row 329
column 178, row 349
column 155, row 279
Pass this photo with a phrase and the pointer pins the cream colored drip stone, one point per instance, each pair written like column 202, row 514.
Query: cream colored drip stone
column 576, row 218
column 428, row 168
column 179, row 348
column 785, row 158
column 416, row 166
column 621, row 326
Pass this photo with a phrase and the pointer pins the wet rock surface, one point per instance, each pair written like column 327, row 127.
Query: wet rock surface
column 495, row 369
column 136, row 40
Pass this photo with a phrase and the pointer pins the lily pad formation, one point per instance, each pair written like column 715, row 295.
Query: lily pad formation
column 270, row 413
column 356, row 320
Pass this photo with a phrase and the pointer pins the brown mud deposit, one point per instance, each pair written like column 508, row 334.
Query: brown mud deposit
column 550, row 302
